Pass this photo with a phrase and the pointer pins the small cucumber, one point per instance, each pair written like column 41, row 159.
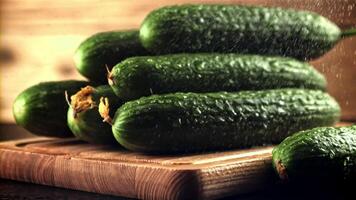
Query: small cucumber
column 239, row 29
column 188, row 122
column 42, row 109
column 84, row 119
column 106, row 49
column 142, row 76
column 324, row 154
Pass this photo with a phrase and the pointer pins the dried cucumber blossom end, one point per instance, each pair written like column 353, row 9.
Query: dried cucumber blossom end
column 109, row 76
column 282, row 171
column 82, row 100
column 104, row 110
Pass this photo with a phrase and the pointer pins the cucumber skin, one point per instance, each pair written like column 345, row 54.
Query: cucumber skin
column 106, row 49
column 190, row 122
column 41, row 109
column 238, row 29
column 319, row 155
column 143, row 76
column 88, row 125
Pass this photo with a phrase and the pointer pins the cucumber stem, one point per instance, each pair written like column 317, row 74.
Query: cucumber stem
column 104, row 110
column 349, row 32
column 66, row 96
column 109, row 76
column 281, row 170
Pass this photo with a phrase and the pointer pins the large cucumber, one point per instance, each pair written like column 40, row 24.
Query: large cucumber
column 84, row 119
column 239, row 29
column 146, row 75
column 106, row 49
column 320, row 155
column 211, row 121
column 42, row 108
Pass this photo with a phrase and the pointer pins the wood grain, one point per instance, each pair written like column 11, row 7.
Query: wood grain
column 73, row 164
column 40, row 37
column 77, row 165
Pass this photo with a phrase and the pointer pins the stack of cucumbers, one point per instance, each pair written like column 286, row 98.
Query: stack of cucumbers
column 195, row 78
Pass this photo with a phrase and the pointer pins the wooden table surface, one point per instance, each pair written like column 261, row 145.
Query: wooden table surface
column 13, row 190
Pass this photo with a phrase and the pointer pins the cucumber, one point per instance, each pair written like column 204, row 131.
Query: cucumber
column 42, row 108
column 84, row 119
column 324, row 154
column 190, row 122
column 106, row 49
column 239, row 29
column 142, row 76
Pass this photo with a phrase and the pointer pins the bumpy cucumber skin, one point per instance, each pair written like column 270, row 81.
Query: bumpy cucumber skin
column 238, row 29
column 88, row 125
column 106, row 49
column 318, row 155
column 142, row 76
column 191, row 122
column 42, row 108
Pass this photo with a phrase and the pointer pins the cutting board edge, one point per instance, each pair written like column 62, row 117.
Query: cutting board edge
column 148, row 182
column 39, row 171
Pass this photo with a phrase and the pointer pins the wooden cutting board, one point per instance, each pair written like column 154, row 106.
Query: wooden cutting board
column 73, row 164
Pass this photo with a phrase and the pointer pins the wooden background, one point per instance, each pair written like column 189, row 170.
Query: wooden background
column 38, row 38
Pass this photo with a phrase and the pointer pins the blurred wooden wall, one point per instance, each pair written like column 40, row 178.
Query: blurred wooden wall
column 38, row 38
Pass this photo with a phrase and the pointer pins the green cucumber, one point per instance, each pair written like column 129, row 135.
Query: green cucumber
column 324, row 154
column 86, row 123
column 106, row 49
column 189, row 122
column 42, row 108
column 142, row 76
column 239, row 29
